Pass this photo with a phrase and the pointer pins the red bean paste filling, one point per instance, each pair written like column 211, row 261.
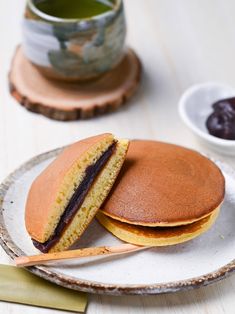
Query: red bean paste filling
column 221, row 123
column 76, row 201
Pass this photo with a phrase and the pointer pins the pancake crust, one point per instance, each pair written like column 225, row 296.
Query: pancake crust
column 157, row 236
column 162, row 184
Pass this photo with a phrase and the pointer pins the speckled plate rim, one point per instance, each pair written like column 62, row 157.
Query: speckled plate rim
column 96, row 287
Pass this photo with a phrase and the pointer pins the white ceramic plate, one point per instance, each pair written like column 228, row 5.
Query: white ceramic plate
column 201, row 261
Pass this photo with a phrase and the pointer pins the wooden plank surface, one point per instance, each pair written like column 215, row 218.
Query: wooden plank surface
column 180, row 43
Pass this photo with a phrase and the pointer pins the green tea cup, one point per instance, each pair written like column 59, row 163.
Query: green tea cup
column 74, row 48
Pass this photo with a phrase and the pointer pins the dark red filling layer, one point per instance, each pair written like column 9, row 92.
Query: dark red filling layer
column 76, row 200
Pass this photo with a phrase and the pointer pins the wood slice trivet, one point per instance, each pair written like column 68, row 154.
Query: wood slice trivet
column 71, row 101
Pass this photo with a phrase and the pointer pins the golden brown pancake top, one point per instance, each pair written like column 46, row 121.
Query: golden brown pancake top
column 162, row 183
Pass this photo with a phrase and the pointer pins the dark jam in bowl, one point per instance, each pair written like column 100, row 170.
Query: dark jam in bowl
column 221, row 123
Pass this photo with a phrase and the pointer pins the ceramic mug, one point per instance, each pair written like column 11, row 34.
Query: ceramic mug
column 74, row 49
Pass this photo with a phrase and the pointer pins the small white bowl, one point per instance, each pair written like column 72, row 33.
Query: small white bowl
column 195, row 106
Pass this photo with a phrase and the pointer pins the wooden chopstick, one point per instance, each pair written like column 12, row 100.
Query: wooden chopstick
column 40, row 259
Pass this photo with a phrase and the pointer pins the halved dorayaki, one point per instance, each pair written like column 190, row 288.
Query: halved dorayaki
column 65, row 197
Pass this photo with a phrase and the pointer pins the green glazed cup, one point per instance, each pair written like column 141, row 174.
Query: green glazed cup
column 74, row 49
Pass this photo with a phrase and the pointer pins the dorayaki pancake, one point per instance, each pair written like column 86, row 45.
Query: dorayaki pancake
column 162, row 184
column 156, row 236
column 65, row 197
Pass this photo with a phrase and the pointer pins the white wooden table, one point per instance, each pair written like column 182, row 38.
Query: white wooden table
column 180, row 43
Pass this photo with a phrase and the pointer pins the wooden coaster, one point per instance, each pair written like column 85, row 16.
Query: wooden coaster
column 71, row 101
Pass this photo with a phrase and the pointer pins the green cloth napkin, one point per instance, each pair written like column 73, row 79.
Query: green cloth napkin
column 20, row 286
